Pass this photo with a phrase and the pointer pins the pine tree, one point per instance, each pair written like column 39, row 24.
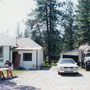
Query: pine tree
column 46, row 28
column 69, row 28
column 83, row 22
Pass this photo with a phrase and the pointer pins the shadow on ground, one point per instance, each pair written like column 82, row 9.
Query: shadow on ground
column 21, row 87
column 88, row 70
column 9, row 85
column 71, row 75
column 46, row 68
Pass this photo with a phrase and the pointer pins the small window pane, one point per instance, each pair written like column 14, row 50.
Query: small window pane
column 27, row 56
column 1, row 53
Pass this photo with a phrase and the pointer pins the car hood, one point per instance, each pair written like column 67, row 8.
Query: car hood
column 87, row 58
column 67, row 65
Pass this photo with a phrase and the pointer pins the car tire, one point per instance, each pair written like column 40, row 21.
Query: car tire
column 59, row 73
column 86, row 68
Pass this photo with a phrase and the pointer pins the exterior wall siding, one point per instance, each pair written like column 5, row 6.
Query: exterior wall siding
column 7, row 54
column 6, row 51
column 40, row 58
column 28, row 64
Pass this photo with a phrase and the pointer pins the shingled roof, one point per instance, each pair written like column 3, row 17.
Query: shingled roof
column 27, row 43
column 21, row 43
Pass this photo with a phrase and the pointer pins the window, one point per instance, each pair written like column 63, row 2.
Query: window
column 27, row 56
column 1, row 53
column 65, row 61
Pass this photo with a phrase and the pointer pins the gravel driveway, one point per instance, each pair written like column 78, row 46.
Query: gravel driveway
column 48, row 79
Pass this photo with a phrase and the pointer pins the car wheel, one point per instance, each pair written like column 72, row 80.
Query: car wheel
column 86, row 68
column 58, row 73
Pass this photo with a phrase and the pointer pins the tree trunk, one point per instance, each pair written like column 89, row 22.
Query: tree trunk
column 50, row 34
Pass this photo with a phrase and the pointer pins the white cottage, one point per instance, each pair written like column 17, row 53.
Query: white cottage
column 22, row 52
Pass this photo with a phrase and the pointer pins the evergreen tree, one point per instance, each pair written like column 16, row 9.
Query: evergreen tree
column 33, row 29
column 69, row 28
column 46, row 28
column 48, row 12
column 83, row 22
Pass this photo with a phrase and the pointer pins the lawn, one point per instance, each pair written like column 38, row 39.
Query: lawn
column 15, row 72
column 46, row 64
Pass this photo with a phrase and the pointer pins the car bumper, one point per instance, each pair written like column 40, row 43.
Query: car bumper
column 68, row 71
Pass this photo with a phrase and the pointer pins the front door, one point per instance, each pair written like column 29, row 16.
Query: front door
column 14, row 55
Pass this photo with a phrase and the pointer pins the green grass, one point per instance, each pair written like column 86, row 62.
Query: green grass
column 46, row 64
column 81, row 69
column 15, row 72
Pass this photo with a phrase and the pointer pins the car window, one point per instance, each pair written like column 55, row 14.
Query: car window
column 66, row 61
column 87, row 55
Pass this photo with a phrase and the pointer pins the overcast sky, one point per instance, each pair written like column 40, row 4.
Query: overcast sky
column 12, row 11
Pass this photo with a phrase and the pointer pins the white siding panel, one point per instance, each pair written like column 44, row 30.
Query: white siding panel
column 40, row 57
column 28, row 64
column 5, row 55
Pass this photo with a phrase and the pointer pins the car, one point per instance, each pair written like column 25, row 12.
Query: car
column 67, row 65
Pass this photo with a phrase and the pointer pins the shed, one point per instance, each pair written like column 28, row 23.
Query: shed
column 31, row 54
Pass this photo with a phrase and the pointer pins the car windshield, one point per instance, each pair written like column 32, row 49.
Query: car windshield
column 66, row 61
column 87, row 55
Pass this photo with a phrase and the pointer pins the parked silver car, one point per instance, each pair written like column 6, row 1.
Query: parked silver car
column 67, row 65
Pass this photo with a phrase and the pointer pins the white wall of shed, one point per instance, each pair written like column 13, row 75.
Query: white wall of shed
column 40, row 58
column 28, row 64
